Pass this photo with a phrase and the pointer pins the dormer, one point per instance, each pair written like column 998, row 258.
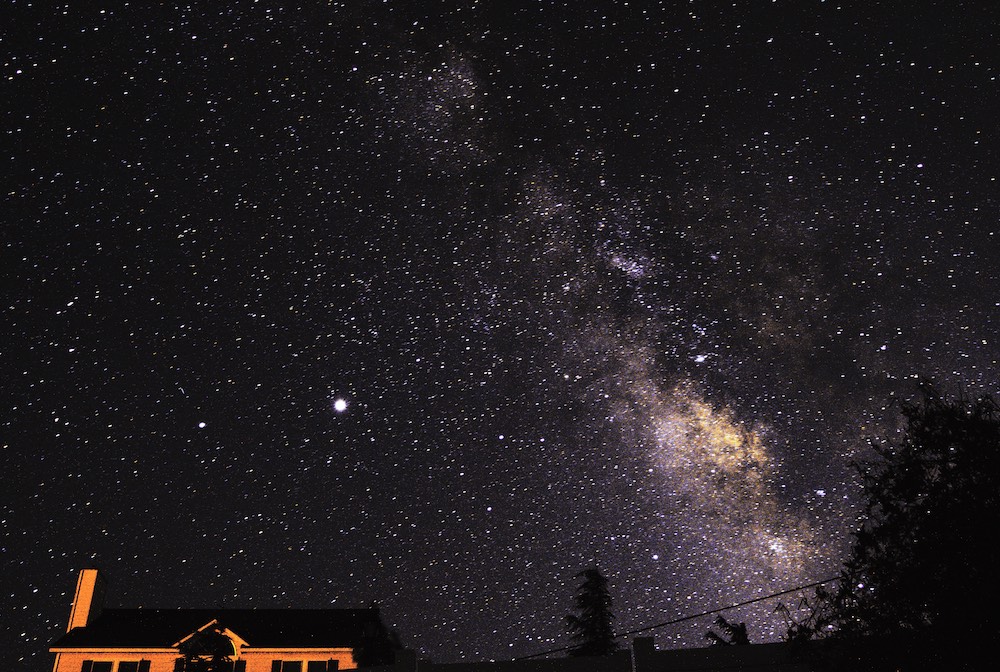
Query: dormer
column 212, row 641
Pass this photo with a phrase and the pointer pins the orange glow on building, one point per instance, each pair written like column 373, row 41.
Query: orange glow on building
column 101, row 639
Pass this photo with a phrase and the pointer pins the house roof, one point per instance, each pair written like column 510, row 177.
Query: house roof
column 260, row 628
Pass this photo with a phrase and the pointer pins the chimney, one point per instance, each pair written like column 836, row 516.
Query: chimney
column 89, row 599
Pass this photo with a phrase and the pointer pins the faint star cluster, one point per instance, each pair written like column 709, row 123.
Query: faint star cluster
column 437, row 304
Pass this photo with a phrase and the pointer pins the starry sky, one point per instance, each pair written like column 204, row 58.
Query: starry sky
column 436, row 304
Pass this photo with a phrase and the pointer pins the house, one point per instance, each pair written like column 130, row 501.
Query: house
column 329, row 640
column 253, row 640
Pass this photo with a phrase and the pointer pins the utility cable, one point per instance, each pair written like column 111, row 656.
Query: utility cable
column 693, row 616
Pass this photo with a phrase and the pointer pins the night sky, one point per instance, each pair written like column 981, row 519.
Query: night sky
column 436, row 304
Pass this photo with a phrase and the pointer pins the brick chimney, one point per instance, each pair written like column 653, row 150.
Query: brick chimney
column 89, row 599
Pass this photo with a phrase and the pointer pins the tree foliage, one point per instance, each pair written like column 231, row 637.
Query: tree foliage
column 378, row 644
column 733, row 634
column 924, row 564
column 591, row 627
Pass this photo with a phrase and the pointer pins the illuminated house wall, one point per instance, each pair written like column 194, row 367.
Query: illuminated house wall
column 257, row 640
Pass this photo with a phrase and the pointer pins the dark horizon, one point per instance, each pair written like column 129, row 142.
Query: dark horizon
column 436, row 304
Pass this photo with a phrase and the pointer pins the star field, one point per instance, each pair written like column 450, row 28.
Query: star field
column 436, row 304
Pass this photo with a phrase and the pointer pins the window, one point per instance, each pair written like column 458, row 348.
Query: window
column 311, row 666
column 230, row 666
column 133, row 666
column 286, row 666
column 180, row 665
column 97, row 666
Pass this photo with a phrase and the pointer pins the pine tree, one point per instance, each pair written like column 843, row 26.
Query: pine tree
column 590, row 628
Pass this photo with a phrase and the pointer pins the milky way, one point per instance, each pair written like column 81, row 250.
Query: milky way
column 437, row 304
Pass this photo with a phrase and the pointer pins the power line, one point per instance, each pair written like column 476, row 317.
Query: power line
column 694, row 616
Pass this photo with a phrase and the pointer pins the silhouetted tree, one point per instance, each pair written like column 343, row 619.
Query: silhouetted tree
column 378, row 644
column 590, row 628
column 924, row 566
column 817, row 621
column 732, row 633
